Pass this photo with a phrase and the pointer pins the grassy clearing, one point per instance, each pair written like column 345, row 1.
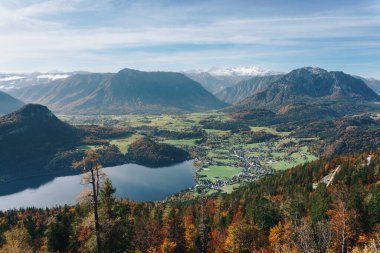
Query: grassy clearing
column 210, row 192
column 230, row 188
column 181, row 142
column 123, row 144
column 89, row 147
column 254, row 154
column 216, row 132
column 215, row 173
column 296, row 158
column 277, row 154
column 225, row 160
column 309, row 139
column 196, row 117
column 269, row 130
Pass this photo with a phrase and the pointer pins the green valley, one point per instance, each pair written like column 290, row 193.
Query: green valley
column 224, row 158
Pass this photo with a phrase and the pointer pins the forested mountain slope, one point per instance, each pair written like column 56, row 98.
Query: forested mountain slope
column 293, row 211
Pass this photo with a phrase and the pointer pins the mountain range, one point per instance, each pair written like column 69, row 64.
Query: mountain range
column 214, row 83
column 310, row 85
column 233, row 84
column 245, row 88
column 10, row 81
column 128, row 91
column 133, row 91
column 217, row 79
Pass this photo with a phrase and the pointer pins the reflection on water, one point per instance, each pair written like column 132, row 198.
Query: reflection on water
column 132, row 181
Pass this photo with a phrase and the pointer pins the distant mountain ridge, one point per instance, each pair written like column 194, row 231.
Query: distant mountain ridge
column 217, row 79
column 128, row 91
column 11, row 81
column 245, row 88
column 66, row 93
column 308, row 85
column 213, row 83
column 8, row 103
column 373, row 83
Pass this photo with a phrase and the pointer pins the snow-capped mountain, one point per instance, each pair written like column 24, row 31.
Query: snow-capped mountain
column 216, row 79
column 241, row 71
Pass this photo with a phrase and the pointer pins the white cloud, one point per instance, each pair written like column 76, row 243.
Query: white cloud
column 11, row 78
column 53, row 77
column 56, row 33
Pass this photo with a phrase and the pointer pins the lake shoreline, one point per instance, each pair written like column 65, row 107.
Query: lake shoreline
column 132, row 181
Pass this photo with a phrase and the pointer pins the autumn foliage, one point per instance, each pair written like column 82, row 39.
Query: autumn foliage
column 293, row 211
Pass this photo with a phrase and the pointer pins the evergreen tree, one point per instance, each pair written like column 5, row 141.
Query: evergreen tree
column 320, row 203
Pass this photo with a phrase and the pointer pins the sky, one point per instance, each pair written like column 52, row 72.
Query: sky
column 176, row 35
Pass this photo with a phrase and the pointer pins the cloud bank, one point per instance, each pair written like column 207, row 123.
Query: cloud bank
column 108, row 35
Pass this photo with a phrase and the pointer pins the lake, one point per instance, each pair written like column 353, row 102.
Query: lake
column 134, row 182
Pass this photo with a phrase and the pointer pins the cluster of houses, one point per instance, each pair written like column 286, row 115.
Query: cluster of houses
column 254, row 166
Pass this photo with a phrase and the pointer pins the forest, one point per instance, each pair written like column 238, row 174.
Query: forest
column 331, row 204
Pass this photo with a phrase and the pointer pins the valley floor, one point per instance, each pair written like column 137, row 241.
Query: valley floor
column 225, row 159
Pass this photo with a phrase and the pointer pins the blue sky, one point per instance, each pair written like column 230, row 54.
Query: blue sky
column 108, row 35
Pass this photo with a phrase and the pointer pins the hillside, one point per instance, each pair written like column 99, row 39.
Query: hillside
column 8, row 103
column 147, row 152
column 292, row 211
column 245, row 88
column 311, row 85
column 65, row 92
column 128, row 91
column 31, row 135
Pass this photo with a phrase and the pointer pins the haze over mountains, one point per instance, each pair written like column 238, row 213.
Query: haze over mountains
column 217, row 79
column 128, row 91
column 373, row 83
column 245, row 88
column 21, row 80
column 133, row 91
column 8, row 103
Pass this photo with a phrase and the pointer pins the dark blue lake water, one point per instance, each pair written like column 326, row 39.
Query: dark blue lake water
column 132, row 181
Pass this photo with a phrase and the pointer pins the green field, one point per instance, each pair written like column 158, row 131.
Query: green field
column 297, row 158
column 230, row 188
column 123, row 144
column 216, row 132
column 89, row 147
column 269, row 130
column 215, row 173
column 181, row 142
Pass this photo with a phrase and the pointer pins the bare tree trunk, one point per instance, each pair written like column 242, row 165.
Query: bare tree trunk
column 97, row 181
column 90, row 164
column 202, row 226
column 344, row 230
column 95, row 189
